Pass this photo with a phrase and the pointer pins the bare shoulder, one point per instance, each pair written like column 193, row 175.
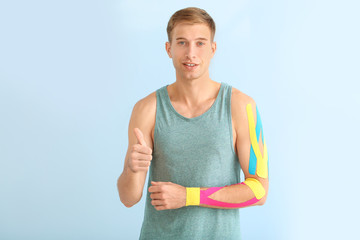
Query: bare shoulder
column 239, row 101
column 146, row 105
column 144, row 114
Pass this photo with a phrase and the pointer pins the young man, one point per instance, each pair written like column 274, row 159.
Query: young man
column 194, row 136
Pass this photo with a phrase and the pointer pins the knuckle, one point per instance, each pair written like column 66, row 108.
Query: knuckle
column 134, row 148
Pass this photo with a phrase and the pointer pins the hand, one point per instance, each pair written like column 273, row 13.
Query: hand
column 167, row 195
column 140, row 156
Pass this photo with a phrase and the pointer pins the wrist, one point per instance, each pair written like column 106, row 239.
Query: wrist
column 192, row 196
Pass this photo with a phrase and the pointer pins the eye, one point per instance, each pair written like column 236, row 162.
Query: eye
column 201, row 43
column 181, row 43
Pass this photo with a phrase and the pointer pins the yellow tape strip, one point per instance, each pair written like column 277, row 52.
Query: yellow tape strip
column 261, row 165
column 256, row 187
column 192, row 196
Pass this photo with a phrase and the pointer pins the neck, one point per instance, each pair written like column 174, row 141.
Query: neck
column 193, row 92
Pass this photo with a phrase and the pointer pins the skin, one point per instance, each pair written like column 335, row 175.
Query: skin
column 191, row 95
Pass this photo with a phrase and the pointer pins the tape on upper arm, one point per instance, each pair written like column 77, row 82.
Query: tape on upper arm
column 258, row 163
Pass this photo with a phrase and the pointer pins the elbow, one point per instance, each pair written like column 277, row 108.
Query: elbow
column 129, row 202
column 126, row 198
column 262, row 201
column 128, row 205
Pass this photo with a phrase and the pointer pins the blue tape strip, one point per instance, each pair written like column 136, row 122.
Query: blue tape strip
column 259, row 126
column 252, row 162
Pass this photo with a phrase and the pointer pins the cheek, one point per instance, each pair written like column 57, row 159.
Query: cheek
column 205, row 55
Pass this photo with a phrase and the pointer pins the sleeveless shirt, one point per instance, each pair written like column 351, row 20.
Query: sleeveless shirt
column 193, row 152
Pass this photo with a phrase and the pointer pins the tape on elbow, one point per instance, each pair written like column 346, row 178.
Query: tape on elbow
column 256, row 187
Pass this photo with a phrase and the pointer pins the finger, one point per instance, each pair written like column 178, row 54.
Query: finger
column 157, row 202
column 142, row 149
column 140, row 136
column 160, row 183
column 154, row 189
column 159, row 208
column 155, row 196
column 142, row 163
column 141, row 157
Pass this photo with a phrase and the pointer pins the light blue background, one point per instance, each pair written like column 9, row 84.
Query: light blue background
column 71, row 72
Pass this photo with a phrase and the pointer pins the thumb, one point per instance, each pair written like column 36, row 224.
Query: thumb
column 140, row 136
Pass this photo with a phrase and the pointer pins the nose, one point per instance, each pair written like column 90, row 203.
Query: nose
column 190, row 51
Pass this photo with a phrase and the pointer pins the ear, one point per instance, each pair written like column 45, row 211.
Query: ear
column 213, row 48
column 168, row 49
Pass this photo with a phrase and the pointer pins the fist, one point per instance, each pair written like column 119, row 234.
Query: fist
column 141, row 155
column 167, row 195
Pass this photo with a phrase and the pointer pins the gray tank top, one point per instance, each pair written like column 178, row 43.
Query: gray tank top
column 193, row 152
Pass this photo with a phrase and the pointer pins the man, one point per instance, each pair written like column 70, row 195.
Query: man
column 194, row 136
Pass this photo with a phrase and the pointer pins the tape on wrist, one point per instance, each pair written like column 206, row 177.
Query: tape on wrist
column 192, row 196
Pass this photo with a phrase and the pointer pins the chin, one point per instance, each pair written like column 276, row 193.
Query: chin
column 192, row 78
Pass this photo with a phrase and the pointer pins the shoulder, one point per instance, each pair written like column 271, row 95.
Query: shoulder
column 145, row 108
column 144, row 114
column 146, row 105
column 239, row 101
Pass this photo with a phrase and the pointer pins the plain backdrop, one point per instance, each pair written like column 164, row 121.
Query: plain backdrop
column 71, row 72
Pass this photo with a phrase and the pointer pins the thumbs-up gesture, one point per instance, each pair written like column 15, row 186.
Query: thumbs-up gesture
column 140, row 156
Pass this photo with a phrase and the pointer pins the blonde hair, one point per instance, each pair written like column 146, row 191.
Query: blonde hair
column 191, row 15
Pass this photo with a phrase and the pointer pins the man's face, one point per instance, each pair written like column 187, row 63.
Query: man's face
column 191, row 50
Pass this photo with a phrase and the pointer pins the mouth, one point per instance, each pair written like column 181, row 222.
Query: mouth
column 190, row 66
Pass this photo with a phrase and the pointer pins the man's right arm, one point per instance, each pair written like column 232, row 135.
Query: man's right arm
column 131, row 182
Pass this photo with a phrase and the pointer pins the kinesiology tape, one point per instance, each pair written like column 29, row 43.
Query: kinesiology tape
column 258, row 163
column 195, row 196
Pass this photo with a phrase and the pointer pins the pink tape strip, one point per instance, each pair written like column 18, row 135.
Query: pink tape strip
column 204, row 199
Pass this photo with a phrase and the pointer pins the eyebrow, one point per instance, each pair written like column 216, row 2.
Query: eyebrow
column 200, row 38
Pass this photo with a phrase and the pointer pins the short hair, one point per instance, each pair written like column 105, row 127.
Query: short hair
column 191, row 15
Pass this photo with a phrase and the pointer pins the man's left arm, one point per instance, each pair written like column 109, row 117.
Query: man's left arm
column 253, row 158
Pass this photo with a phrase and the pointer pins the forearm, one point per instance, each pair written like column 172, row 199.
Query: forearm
column 130, row 187
column 251, row 192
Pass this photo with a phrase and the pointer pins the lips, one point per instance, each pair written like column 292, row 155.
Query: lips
column 190, row 66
